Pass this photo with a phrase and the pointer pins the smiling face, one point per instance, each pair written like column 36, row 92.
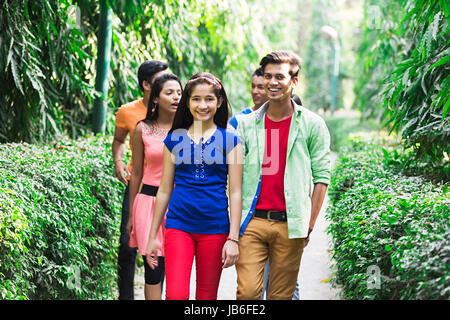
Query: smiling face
column 259, row 95
column 203, row 103
column 278, row 83
column 169, row 97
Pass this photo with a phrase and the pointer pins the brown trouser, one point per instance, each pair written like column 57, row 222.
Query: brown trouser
column 264, row 239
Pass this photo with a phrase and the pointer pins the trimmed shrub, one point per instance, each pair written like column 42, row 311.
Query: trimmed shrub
column 59, row 220
column 390, row 231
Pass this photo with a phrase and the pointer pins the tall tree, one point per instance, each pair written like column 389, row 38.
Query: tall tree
column 406, row 66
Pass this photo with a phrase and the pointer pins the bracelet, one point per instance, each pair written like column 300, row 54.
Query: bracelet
column 118, row 160
column 234, row 240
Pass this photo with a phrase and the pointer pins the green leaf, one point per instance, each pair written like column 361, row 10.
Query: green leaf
column 442, row 61
column 446, row 108
column 16, row 75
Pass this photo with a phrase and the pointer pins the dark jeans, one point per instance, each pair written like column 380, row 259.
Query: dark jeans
column 127, row 255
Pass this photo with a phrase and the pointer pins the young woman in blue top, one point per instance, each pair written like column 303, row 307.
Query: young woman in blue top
column 200, row 157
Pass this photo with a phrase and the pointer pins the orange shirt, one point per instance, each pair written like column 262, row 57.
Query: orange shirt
column 128, row 115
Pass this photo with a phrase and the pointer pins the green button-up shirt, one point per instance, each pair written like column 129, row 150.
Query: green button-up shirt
column 307, row 163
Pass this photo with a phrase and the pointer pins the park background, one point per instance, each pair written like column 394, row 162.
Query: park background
column 376, row 71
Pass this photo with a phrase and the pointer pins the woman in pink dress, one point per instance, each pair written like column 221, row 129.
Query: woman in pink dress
column 147, row 144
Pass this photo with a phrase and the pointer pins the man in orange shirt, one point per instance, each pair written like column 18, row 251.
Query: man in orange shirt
column 127, row 117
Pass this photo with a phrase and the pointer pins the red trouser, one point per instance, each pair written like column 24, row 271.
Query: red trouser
column 180, row 248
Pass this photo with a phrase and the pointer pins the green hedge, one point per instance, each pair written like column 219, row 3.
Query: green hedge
column 390, row 232
column 59, row 220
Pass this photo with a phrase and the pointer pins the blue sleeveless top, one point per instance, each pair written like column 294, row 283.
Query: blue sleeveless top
column 199, row 203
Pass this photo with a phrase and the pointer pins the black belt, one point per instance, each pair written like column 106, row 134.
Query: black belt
column 149, row 190
column 271, row 215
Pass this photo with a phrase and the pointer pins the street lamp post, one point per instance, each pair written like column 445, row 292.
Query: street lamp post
column 331, row 34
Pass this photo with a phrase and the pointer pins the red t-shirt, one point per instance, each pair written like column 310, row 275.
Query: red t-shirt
column 271, row 196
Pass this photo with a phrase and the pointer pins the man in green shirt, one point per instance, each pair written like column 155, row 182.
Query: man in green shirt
column 286, row 173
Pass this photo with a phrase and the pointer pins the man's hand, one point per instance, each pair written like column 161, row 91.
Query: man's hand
column 307, row 238
column 130, row 225
column 118, row 147
column 121, row 171
column 318, row 195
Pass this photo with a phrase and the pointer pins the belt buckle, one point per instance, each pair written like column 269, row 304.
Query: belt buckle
column 268, row 216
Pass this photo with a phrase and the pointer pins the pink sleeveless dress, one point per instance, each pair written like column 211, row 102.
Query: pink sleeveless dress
column 143, row 205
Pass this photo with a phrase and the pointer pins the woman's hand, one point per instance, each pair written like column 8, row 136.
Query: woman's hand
column 151, row 254
column 230, row 253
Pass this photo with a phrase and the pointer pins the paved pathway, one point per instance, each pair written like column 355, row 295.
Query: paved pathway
column 313, row 277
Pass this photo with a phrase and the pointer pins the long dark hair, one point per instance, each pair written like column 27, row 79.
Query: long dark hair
column 183, row 117
column 157, row 86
